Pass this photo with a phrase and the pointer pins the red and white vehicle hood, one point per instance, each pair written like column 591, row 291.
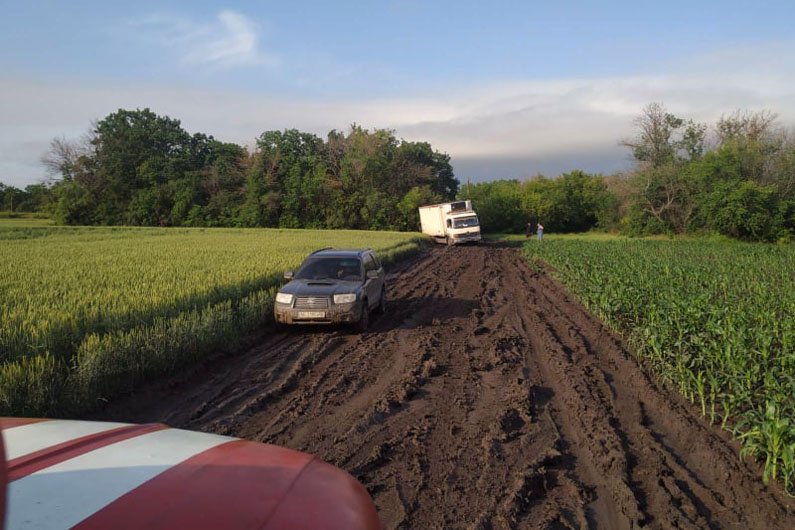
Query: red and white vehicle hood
column 63, row 474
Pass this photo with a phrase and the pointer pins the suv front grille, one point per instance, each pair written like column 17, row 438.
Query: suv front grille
column 311, row 302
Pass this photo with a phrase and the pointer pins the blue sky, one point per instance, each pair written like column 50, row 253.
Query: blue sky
column 509, row 89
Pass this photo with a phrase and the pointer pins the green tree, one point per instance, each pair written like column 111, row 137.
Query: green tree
column 408, row 207
column 745, row 211
column 663, row 146
column 742, row 187
column 74, row 204
column 498, row 204
column 140, row 168
column 10, row 197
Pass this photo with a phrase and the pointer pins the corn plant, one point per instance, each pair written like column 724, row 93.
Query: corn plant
column 715, row 319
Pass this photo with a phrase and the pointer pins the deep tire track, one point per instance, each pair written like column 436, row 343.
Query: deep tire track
column 486, row 398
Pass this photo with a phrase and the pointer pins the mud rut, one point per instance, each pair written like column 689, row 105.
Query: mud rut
column 486, row 398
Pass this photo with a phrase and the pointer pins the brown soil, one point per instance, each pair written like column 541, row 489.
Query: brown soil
column 487, row 397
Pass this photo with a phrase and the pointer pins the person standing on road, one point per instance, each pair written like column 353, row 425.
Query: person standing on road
column 540, row 231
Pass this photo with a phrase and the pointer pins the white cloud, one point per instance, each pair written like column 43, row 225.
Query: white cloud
column 518, row 128
column 232, row 39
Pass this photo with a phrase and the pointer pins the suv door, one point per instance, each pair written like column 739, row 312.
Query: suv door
column 372, row 286
column 381, row 278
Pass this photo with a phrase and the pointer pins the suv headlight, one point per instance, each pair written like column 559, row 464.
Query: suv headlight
column 284, row 298
column 344, row 298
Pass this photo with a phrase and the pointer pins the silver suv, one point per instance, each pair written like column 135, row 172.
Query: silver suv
column 333, row 287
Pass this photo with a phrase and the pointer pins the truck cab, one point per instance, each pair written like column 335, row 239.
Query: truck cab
column 462, row 228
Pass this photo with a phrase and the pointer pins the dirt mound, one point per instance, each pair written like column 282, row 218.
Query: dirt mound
column 486, row 398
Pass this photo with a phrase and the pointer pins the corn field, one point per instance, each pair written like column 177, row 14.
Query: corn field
column 87, row 313
column 714, row 319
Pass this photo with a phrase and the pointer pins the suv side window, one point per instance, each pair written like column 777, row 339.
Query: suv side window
column 369, row 263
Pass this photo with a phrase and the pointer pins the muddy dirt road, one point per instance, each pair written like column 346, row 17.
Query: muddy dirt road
column 486, row 398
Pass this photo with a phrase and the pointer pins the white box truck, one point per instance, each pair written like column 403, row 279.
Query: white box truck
column 450, row 222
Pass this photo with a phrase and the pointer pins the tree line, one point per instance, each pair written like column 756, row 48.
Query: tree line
column 736, row 177
column 33, row 198
column 573, row 202
column 138, row 168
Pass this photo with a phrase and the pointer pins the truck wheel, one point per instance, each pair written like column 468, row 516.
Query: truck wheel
column 381, row 309
column 364, row 319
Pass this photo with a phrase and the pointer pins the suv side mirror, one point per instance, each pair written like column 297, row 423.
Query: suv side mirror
column 288, row 275
column 372, row 275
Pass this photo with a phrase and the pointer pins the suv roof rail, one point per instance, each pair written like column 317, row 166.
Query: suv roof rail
column 321, row 250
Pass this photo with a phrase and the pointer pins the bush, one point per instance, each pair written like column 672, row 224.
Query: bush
column 745, row 211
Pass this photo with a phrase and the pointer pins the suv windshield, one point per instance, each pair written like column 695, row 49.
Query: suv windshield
column 465, row 222
column 349, row 269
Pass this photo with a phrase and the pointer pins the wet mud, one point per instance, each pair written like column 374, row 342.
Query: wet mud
column 486, row 398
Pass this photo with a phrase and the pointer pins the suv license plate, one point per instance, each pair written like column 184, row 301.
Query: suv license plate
column 311, row 314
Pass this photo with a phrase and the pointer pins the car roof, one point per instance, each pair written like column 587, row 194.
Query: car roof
column 340, row 252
